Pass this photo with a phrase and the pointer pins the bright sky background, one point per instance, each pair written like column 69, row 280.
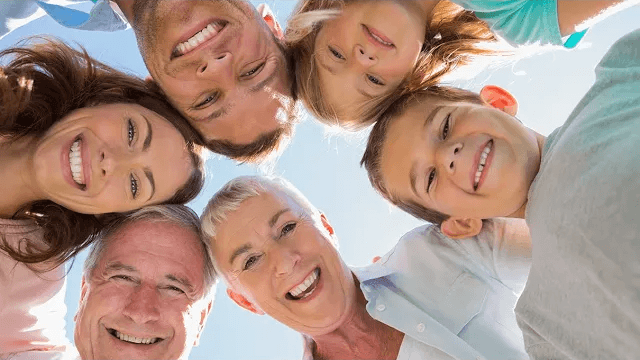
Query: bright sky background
column 325, row 166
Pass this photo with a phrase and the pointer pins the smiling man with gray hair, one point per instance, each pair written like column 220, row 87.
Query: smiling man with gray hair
column 147, row 287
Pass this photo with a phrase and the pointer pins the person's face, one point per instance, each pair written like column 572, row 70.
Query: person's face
column 365, row 52
column 284, row 264
column 218, row 63
column 144, row 298
column 111, row 158
column 461, row 159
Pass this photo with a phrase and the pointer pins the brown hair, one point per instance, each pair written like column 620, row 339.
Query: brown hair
column 371, row 159
column 451, row 39
column 39, row 85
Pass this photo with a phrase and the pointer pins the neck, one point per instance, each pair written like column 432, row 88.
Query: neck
column 17, row 177
column 426, row 9
column 540, row 139
column 359, row 337
column 126, row 6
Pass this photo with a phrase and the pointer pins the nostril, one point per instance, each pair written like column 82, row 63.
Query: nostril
column 370, row 57
column 455, row 151
column 104, row 172
column 203, row 68
column 451, row 165
column 362, row 51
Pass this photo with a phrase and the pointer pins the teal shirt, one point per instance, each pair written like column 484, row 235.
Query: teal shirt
column 582, row 300
column 522, row 21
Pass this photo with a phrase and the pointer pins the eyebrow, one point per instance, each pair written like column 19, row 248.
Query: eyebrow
column 149, row 175
column 147, row 140
column 214, row 115
column 246, row 247
column 145, row 148
column 115, row 266
column 365, row 94
column 325, row 66
column 413, row 173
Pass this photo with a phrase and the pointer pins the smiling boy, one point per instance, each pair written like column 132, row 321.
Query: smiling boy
column 454, row 158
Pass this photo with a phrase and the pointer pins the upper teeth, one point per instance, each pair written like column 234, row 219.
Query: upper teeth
column 135, row 340
column 483, row 160
column 203, row 35
column 304, row 286
column 75, row 162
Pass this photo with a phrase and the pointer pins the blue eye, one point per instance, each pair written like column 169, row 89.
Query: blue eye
column 131, row 132
column 432, row 176
column 287, row 229
column 375, row 80
column 336, row 53
column 445, row 128
column 134, row 186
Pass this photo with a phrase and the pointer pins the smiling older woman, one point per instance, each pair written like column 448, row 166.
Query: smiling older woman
column 430, row 297
column 79, row 138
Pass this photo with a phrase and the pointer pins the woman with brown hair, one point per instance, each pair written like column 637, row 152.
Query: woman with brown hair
column 79, row 139
column 352, row 59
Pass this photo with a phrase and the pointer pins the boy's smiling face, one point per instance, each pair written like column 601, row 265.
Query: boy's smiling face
column 462, row 159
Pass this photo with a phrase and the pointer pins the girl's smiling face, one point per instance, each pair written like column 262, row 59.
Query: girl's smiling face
column 367, row 51
column 111, row 158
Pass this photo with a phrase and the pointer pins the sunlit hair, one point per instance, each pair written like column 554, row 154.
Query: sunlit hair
column 176, row 214
column 229, row 198
column 371, row 160
column 41, row 82
column 452, row 38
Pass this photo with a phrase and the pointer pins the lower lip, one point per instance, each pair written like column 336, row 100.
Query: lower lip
column 368, row 31
column 315, row 292
column 65, row 165
column 487, row 163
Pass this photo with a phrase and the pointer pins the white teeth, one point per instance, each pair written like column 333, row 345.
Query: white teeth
column 380, row 40
column 481, row 163
column 203, row 35
column 75, row 162
column 303, row 286
column 135, row 340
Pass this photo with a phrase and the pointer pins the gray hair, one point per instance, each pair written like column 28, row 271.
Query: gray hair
column 177, row 214
column 236, row 191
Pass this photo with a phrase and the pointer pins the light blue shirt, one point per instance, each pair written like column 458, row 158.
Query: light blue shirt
column 522, row 21
column 102, row 17
column 454, row 295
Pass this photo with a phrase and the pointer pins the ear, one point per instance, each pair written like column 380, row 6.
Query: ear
column 204, row 314
column 499, row 98
column 83, row 293
column 270, row 19
column 243, row 302
column 457, row 228
column 326, row 224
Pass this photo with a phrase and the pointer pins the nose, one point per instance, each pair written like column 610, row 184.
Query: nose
column 365, row 56
column 286, row 260
column 449, row 155
column 218, row 67
column 143, row 305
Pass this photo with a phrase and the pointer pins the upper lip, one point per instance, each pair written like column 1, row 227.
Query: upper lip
column 369, row 34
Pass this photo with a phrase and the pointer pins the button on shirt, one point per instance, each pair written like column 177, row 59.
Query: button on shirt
column 453, row 299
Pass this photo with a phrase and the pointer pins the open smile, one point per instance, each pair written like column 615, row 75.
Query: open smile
column 305, row 288
column 483, row 162
column 205, row 33
column 134, row 339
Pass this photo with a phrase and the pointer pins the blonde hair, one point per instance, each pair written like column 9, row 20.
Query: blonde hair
column 451, row 39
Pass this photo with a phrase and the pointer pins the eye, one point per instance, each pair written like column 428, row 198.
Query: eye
column 123, row 277
column 445, row 127
column 432, row 176
column 250, row 262
column 134, row 186
column 288, row 228
column 253, row 71
column 132, row 132
column 175, row 289
column 336, row 53
column 209, row 100
column 375, row 80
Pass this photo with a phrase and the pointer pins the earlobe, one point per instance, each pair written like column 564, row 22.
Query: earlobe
column 457, row 228
column 499, row 98
column 326, row 224
column 270, row 19
column 243, row 302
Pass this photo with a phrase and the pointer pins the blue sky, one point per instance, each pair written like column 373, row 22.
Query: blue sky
column 325, row 166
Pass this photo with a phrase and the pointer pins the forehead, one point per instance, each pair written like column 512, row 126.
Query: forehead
column 155, row 246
